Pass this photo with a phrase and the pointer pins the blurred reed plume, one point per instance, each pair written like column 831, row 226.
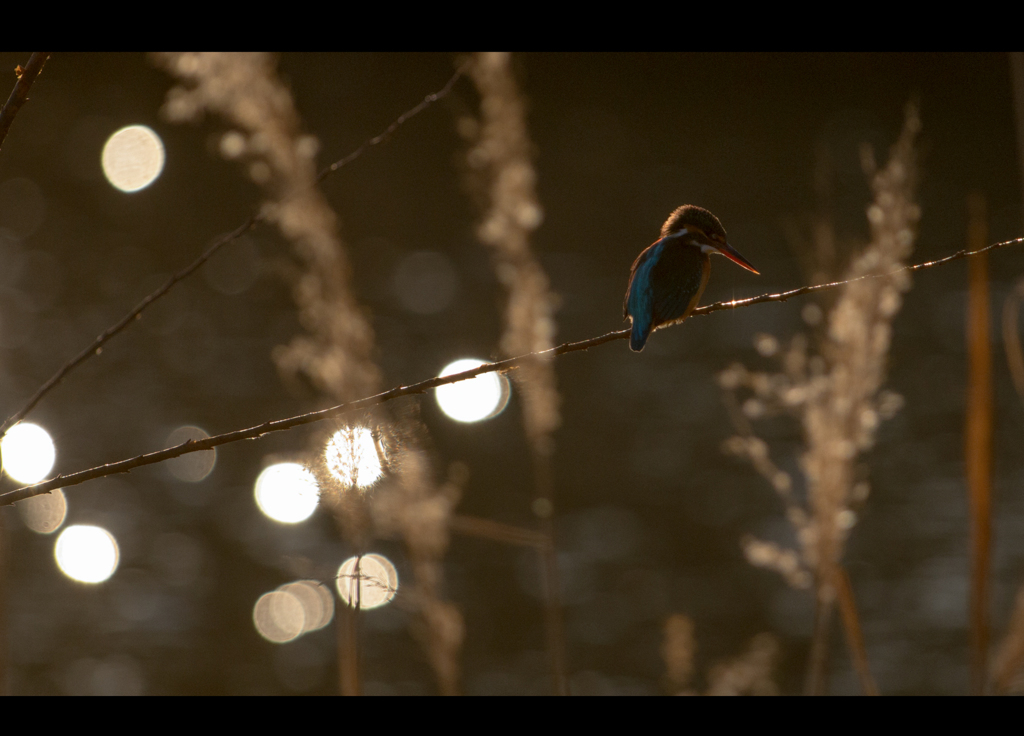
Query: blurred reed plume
column 837, row 396
column 502, row 157
column 244, row 89
column 678, row 648
column 335, row 353
column 420, row 510
column 748, row 674
column 500, row 161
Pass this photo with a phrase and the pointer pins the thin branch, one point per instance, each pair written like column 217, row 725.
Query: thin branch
column 95, row 347
column 19, row 95
column 735, row 303
column 391, row 129
column 501, row 366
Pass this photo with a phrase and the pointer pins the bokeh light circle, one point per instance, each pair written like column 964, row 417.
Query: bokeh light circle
column 377, row 578
column 279, row 616
column 426, row 282
column 28, row 453
column 44, row 513
column 352, row 457
column 86, row 553
column 133, row 158
column 287, row 492
column 478, row 398
column 194, row 466
column 316, row 600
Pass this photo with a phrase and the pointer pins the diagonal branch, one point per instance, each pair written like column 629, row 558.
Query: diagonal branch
column 95, row 346
column 501, row 366
column 19, row 95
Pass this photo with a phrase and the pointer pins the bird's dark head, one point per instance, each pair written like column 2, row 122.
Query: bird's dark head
column 692, row 217
column 704, row 230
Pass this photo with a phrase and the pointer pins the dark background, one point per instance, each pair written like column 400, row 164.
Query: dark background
column 649, row 509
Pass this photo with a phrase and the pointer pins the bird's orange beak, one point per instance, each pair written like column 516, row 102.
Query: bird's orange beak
column 733, row 255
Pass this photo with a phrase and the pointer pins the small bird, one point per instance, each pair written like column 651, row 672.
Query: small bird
column 667, row 279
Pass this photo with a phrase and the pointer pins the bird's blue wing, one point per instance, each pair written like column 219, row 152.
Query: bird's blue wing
column 638, row 304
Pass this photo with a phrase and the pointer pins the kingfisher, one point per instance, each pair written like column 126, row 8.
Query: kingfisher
column 667, row 279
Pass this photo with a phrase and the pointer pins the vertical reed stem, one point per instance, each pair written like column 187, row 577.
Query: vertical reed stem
column 854, row 634
column 817, row 666
column 550, row 581
column 348, row 638
column 978, row 441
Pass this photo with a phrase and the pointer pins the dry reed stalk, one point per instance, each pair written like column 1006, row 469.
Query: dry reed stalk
column 420, row 511
column 1006, row 670
column 502, row 155
column 245, row 90
column 978, row 441
column 1017, row 80
column 854, row 634
column 1008, row 667
column 748, row 674
column 1011, row 337
column 838, row 398
column 335, row 353
column 347, row 634
column 501, row 159
column 678, row 648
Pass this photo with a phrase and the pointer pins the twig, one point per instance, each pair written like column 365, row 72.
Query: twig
column 501, row 366
column 391, row 129
column 95, row 347
column 735, row 303
column 19, row 95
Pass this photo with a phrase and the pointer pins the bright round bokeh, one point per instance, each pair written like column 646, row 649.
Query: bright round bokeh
column 44, row 513
column 287, row 492
column 86, row 553
column 28, row 453
column 133, row 158
column 377, row 581
column 316, row 600
column 279, row 616
column 292, row 610
column 352, row 458
column 473, row 400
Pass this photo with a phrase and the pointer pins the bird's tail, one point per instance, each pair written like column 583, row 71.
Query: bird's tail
column 639, row 334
